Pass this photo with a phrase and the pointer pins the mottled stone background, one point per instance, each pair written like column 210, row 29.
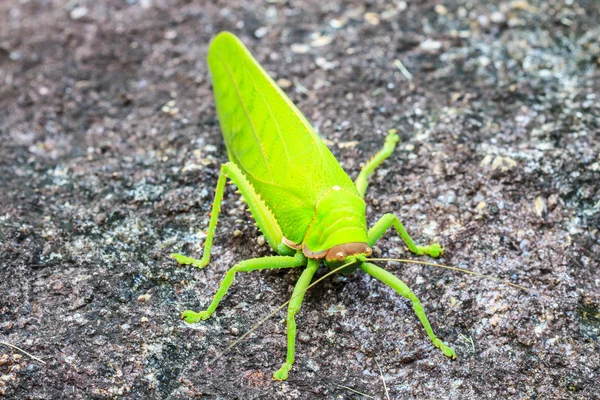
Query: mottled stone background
column 110, row 149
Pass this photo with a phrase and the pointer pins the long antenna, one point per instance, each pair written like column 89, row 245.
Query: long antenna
column 466, row 271
column 262, row 321
column 22, row 351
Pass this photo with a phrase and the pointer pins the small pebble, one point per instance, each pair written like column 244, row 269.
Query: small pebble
column 441, row 9
column 284, row 83
column 337, row 23
column 79, row 12
column 304, row 338
column 497, row 17
column 300, row 48
column 483, row 21
column 503, row 164
column 372, row 18
column 271, row 13
column 144, row 298
column 261, row 240
column 545, row 74
column 261, row 32
column 430, row 45
column 320, row 40
column 170, row 34
column 540, row 206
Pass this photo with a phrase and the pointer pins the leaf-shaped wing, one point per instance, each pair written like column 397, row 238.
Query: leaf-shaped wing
column 269, row 138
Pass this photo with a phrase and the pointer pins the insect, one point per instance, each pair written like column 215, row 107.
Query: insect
column 305, row 205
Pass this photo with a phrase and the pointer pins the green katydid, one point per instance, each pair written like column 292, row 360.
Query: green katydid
column 303, row 202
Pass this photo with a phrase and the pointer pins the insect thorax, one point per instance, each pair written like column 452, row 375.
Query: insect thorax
column 339, row 218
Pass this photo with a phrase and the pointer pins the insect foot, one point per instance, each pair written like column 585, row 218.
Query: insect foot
column 433, row 250
column 282, row 373
column 185, row 260
column 392, row 138
column 448, row 352
column 191, row 317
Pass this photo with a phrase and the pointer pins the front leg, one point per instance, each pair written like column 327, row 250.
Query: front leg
column 252, row 264
column 403, row 290
column 388, row 220
column 282, row 373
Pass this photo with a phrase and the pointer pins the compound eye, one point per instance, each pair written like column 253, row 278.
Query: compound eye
column 340, row 256
column 368, row 252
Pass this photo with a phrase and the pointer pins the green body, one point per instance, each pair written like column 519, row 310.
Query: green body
column 303, row 202
column 280, row 153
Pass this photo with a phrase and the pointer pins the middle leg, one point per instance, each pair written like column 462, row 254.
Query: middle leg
column 252, row 264
column 299, row 290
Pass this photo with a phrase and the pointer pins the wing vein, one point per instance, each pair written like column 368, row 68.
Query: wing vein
column 287, row 155
column 237, row 89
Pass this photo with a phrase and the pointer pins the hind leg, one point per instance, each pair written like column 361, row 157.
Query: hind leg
column 262, row 215
column 362, row 181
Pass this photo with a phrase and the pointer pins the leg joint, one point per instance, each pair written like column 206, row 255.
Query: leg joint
column 291, row 319
column 293, row 310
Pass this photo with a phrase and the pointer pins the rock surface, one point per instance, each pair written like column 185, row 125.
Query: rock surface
column 110, row 150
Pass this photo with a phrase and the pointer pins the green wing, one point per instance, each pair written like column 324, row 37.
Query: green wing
column 269, row 138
